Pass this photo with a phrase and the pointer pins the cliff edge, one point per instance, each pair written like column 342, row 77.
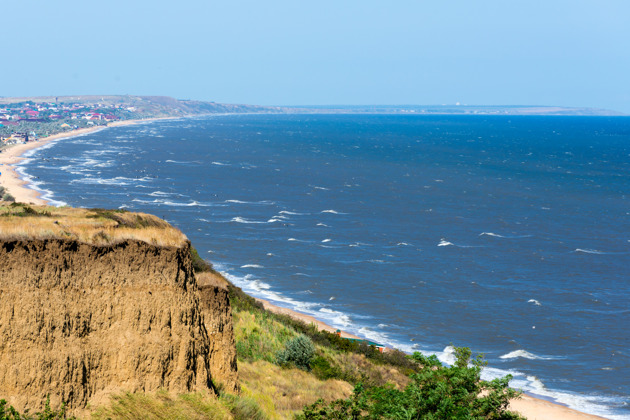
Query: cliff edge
column 95, row 302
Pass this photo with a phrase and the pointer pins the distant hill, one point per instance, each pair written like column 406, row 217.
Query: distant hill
column 165, row 106
column 149, row 106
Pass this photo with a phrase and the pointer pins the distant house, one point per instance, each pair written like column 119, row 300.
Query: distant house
column 32, row 114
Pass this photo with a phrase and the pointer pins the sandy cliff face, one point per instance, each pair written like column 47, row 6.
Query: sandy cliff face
column 79, row 321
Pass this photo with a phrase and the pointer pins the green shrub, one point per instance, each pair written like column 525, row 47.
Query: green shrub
column 299, row 352
column 8, row 197
column 199, row 264
column 435, row 392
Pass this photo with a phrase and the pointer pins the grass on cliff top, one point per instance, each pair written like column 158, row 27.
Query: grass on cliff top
column 93, row 226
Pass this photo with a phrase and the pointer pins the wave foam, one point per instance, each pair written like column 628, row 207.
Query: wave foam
column 332, row 212
column 589, row 251
column 526, row 355
column 496, row 235
column 239, row 219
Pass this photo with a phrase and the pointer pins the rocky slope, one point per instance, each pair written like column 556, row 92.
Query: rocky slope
column 80, row 321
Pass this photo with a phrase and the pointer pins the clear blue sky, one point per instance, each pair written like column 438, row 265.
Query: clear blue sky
column 484, row 52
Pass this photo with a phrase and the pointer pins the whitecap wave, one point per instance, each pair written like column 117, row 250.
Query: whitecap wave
column 526, row 355
column 239, row 219
column 264, row 202
column 534, row 301
column 119, row 181
column 590, row 251
column 332, row 212
column 252, row 266
column 444, row 242
column 159, row 194
column 171, row 203
column 496, row 235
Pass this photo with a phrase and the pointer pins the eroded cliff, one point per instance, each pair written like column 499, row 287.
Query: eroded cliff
column 80, row 321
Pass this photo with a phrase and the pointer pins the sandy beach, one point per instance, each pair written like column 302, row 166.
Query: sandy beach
column 13, row 155
column 529, row 406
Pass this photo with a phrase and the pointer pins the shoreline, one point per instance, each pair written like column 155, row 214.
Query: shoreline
column 530, row 406
column 11, row 156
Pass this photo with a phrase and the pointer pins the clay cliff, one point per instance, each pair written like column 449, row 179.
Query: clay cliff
column 80, row 320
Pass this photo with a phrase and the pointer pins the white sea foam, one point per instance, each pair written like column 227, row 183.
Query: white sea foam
column 239, row 219
column 526, row 355
column 444, row 242
column 496, row 235
column 159, row 194
column 589, row 251
column 264, row 202
column 291, row 213
column 534, row 301
column 119, row 180
column 332, row 212
column 322, row 224
column 327, row 240
column 171, row 203
column 252, row 266
column 220, row 164
column 181, row 162
column 339, row 318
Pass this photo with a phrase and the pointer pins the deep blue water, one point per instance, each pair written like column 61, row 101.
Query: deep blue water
column 510, row 235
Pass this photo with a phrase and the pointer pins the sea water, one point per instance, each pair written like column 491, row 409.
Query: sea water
column 506, row 234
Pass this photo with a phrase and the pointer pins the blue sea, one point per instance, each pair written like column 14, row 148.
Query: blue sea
column 506, row 234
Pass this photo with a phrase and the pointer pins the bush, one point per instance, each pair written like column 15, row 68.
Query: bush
column 8, row 197
column 299, row 352
column 436, row 392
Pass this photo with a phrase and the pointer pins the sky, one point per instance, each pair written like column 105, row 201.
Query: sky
column 361, row 52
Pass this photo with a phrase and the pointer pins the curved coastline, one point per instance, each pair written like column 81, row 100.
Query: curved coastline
column 529, row 405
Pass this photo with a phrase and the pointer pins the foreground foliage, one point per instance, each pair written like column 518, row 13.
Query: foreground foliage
column 7, row 412
column 436, row 392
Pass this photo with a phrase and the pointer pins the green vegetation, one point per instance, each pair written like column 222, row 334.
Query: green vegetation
column 7, row 412
column 436, row 392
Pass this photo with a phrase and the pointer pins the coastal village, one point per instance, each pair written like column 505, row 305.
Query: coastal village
column 22, row 122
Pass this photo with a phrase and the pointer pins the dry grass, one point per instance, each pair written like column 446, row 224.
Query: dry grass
column 164, row 406
column 92, row 226
column 281, row 393
column 211, row 279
